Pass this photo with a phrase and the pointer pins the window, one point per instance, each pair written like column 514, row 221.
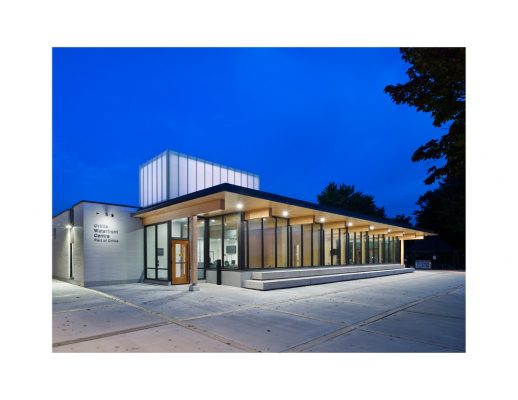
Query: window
column 269, row 242
column 215, row 256
column 317, row 243
column 327, row 246
column 230, row 247
column 157, row 252
column 180, row 228
column 296, row 245
column 201, row 248
column 254, row 243
column 306, row 241
column 282, row 243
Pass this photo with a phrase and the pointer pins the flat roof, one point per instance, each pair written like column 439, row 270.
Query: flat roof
column 253, row 199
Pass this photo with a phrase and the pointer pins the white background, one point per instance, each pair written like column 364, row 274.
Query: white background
column 29, row 29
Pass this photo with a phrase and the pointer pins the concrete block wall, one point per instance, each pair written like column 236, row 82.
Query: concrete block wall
column 113, row 245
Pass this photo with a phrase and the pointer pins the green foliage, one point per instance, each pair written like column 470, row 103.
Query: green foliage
column 443, row 210
column 346, row 198
column 437, row 84
column 404, row 219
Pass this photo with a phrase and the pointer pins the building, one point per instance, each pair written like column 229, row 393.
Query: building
column 199, row 220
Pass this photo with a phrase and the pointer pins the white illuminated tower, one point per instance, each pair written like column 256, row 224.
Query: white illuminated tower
column 171, row 174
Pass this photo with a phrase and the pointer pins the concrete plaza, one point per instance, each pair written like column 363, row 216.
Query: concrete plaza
column 419, row 312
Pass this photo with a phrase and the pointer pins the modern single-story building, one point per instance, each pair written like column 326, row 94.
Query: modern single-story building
column 199, row 220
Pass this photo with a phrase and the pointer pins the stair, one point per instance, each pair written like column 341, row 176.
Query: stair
column 288, row 278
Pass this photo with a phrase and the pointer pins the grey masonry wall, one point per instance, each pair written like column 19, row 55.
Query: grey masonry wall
column 113, row 243
column 61, row 239
column 107, row 245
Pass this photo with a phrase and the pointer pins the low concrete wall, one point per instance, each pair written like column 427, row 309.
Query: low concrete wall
column 229, row 278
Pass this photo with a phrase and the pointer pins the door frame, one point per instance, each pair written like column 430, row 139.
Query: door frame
column 182, row 280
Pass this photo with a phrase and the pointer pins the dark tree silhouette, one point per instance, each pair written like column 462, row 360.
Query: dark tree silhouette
column 346, row 198
column 437, row 84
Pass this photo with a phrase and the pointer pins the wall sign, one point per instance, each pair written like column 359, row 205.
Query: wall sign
column 103, row 234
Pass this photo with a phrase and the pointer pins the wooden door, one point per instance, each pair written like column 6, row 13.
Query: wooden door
column 180, row 260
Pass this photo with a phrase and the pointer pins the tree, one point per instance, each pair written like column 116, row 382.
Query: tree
column 404, row 219
column 440, row 212
column 437, row 84
column 346, row 198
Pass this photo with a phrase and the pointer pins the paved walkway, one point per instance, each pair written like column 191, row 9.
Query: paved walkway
column 419, row 312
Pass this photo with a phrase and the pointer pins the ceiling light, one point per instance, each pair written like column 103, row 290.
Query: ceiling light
column 239, row 206
column 389, row 230
column 349, row 224
column 322, row 219
column 285, row 213
column 371, row 227
column 69, row 226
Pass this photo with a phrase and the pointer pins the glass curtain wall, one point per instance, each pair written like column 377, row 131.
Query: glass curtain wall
column 317, row 244
column 365, row 247
column 215, row 255
column 230, row 248
column 327, row 246
column 201, row 248
column 343, row 248
column 307, row 241
column 150, row 252
column 296, row 245
column 255, row 244
column 351, row 253
column 269, row 242
column 157, row 252
column 162, row 252
column 282, row 243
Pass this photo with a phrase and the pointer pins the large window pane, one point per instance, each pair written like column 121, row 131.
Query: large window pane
column 201, row 248
column 282, row 243
column 327, row 247
column 162, row 251
column 365, row 248
column 306, row 235
column 351, row 250
column 296, row 246
column 336, row 247
column 230, row 240
column 180, row 228
column 254, row 243
column 370, row 243
column 150, row 253
column 269, row 242
column 316, row 244
column 215, row 256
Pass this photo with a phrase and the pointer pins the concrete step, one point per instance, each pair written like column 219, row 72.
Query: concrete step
column 317, row 271
column 319, row 279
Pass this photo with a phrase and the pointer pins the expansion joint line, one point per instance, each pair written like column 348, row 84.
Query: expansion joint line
column 325, row 338
column 167, row 320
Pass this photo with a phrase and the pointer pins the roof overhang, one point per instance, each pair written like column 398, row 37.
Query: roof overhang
column 227, row 198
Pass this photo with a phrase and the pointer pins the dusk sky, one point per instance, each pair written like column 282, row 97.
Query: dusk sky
column 300, row 118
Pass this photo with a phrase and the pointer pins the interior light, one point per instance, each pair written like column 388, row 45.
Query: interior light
column 389, row 230
column 239, row 206
column 322, row 219
column 69, row 226
column 285, row 213
column 349, row 224
column 212, row 220
column 371, row 227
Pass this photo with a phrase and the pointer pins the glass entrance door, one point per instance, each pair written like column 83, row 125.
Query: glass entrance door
column 180, row 260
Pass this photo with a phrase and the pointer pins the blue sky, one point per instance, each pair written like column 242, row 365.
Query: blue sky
column 299, row 118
